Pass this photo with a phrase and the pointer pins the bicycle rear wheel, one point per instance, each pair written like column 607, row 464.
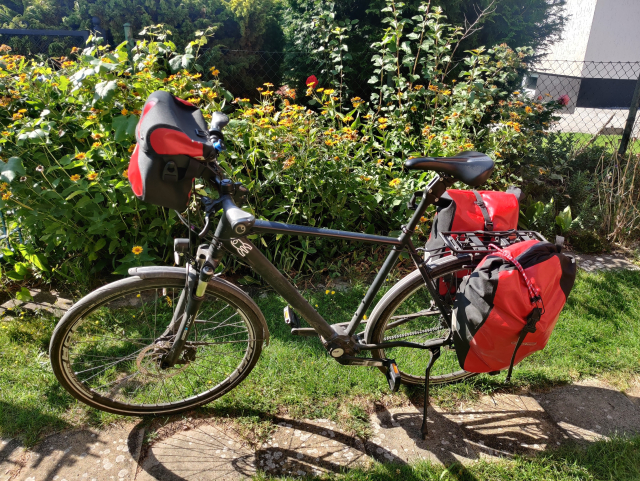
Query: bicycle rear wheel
column 407, row 313
column 105, row 351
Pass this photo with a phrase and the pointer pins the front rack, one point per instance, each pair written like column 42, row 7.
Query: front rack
column 461, row 242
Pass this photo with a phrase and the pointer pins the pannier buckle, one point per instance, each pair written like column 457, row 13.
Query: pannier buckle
column 170, row 172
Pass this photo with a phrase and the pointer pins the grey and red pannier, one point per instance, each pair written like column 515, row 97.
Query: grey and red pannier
column 508, row 307
column 172, row 141
column 469, row 211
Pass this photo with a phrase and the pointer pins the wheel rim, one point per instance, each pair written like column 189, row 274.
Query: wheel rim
column 111, row 351
column 416, row 319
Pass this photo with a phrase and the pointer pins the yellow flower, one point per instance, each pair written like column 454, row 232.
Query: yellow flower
column 528, row 109
column 214, row 71
column 124, row 112
column 498, row 154
column 418, row 87
column 125, row 173
column 414, row 108
column 390, row 164
column 446, row 92
column 81, row 156
column 327, row 291
column 137, row 250
column 6, row 134
column 22, row 111
column 516, row 93
column 194, row 100
column 423, row 219
column 394, row 183
column 92, row 176
column 333, row 292
column 383, row 120
column 364, row 317
column 75, row 177
column 329, row 91
column 433, row 88
column 6, row 196
column 95, row 145
column 132, row 147
column 17, row 116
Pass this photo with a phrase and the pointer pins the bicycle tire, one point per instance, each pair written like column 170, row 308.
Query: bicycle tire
column 376, row 331
column 106, row 299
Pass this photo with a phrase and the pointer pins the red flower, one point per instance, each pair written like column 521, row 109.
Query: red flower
column 312, row 82
column 563, row 100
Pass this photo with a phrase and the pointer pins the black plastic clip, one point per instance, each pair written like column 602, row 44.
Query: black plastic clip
column 170, row 172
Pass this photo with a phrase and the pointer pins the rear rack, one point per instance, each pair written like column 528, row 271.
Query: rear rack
column 461, row 242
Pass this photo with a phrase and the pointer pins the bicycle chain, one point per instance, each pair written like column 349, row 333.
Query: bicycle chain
column 415, row 333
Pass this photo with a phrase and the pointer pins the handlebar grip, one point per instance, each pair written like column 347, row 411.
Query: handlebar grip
column 241, row 221
column 218, row 121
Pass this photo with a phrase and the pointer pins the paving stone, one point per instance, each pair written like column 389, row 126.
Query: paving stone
column 207, row 452
column 590, row 263
column 11, row 458
column 397, row 437
column 301, row 448
column 84, row 455
column 591, row 410
column 42, row 301
column 506, row 424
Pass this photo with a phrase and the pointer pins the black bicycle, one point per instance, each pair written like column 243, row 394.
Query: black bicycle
column 168, row 339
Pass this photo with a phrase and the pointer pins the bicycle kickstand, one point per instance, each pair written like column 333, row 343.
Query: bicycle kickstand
column 434, row 354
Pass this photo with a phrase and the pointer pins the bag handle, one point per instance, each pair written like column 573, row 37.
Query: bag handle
column 488, row 223
column 534, row 298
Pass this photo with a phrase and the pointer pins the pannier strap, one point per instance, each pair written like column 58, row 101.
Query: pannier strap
column 488, row 223
column 534, row 297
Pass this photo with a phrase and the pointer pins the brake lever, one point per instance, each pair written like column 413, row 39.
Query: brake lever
column 210, row 206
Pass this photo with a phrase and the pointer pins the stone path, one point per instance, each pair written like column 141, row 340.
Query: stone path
column 212, row 449
column 604, row 262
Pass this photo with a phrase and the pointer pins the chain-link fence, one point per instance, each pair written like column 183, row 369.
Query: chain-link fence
column 598, row 98
column 51, row 43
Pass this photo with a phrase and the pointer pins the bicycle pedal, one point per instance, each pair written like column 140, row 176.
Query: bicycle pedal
column 393, row 375
column 290, row 318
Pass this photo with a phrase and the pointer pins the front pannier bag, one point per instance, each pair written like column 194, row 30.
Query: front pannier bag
column 507, row 308
column 172, row 140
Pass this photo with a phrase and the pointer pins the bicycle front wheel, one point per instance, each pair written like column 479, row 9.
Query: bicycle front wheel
column 106, row 350
column 407, row 313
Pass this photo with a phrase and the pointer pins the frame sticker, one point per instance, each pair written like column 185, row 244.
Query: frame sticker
column 242, row 248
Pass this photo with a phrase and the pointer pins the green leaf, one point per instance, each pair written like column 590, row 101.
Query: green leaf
column 563, row 219
column 105, row 90
column 77, row 192
column 124, row 127
column 39, row 261
column 100, row 244
column 11, row 169
column 24, row 295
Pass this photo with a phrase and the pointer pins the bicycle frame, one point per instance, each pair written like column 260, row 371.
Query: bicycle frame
column 340, row 341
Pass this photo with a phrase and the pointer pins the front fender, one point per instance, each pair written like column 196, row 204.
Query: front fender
column 155, row 272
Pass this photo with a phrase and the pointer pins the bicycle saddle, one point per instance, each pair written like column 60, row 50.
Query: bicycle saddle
column 472, row 168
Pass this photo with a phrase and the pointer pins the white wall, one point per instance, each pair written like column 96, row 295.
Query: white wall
column 615, row 34
column 575, row 36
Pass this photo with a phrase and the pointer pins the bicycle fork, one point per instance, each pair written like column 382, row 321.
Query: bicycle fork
column 194, row 293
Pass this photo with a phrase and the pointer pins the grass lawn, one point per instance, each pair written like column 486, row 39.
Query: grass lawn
column 598, row 334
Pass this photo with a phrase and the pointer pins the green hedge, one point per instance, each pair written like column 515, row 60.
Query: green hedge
column 312, row 157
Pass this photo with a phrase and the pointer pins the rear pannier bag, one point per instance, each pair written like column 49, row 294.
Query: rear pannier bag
column 172, row 140
column 468, row 211
column 507, row 308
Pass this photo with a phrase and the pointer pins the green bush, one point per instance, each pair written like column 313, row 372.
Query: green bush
column 67, row 135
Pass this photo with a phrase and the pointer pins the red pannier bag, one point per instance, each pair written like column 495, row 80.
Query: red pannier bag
column 468, row 211
column 172, row 140
column 508, row 307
